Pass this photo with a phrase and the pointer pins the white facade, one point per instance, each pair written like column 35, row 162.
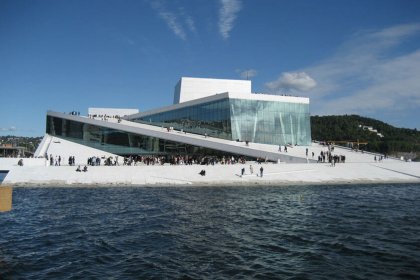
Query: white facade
column 194, row 88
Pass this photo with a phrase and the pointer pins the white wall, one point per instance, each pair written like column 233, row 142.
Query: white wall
column 193, row 88
column 59, row 147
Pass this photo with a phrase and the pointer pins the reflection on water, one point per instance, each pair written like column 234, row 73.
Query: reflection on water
column 330, row 232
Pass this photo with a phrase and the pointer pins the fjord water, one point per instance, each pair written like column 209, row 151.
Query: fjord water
column 3, row 174
column 314, row 232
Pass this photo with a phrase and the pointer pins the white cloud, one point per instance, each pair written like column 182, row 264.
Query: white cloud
column 227, row 15
column 365, row 76
column 190, row 24
column 391, row 85
column 170, row 18
column 181, row 23
column 12, row 128
column 247, row 74
column 373, row 74
column 290, row 81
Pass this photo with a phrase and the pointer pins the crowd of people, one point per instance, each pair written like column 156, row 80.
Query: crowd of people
column 327, row 156
column 182, row 160
column 136, row 160
column 54, row 161
column 104, row 117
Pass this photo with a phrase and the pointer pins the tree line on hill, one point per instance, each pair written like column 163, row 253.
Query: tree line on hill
column 350, row 128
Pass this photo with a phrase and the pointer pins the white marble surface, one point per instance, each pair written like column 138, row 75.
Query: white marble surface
column 359, row 167
column 277, row 174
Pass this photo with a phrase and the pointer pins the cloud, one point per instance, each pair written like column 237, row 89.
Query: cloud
column 171, row 19
column 371, row 73
column 188, row 20
column 374, row 73
column 390, row 85
column 227, row 15
column 190, row 24
column 291, row 81
column 12, row 128
column 247, row 74
column 181, row 23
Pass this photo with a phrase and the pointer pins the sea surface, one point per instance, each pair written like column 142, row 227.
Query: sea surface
column 294, row 232
column 3, row 175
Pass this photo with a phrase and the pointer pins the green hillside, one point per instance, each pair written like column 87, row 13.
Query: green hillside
column 347, row 128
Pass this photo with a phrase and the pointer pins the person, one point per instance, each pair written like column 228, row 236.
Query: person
column 20, row 162
column 78, row 169
column 246, row 142
column 251, row 169
column 261, row 171
column 279, row 148
column 242, row 172
column 85, row 169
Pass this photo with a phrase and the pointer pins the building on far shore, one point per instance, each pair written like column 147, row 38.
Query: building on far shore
column 9, row 150
column 208, row 117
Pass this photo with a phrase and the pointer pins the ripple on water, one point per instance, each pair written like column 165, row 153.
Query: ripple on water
column 296, row 232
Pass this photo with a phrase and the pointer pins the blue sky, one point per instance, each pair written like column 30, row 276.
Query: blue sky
column 349, row 57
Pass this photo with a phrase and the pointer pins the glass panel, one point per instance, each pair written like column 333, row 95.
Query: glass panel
column 252, row 120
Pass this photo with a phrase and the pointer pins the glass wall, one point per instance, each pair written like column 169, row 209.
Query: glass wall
column 268, row 122
column 212, row 118
column 120, row 142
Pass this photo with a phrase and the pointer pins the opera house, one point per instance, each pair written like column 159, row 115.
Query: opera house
column 207, row 117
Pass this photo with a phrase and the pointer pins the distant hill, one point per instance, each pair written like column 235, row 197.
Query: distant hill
column 353, row 127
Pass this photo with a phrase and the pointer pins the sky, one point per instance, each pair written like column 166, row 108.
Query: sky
column 349, row 57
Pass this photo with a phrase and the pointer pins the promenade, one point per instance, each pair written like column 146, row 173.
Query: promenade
column 222, row 175
column 358, row 168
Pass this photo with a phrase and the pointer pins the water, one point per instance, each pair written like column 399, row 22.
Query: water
column 3, row 174
column 296, row 232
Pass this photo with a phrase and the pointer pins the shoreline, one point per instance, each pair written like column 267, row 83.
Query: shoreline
column 204, row 185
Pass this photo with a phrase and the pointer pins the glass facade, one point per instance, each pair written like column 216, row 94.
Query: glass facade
column 121, row 142
column 212, row 118
column 268, row 122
